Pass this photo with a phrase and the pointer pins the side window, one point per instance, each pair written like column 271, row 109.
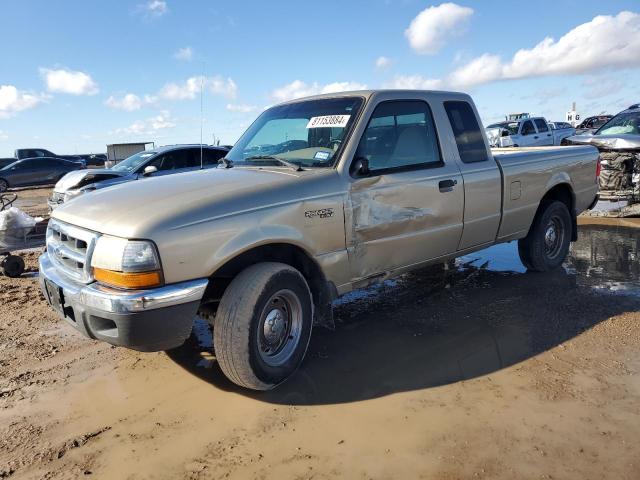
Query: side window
column 542, row 126
column 466, row 129
column 174, row 160
column 211, row 156
column 400, row 135
column 527, row 128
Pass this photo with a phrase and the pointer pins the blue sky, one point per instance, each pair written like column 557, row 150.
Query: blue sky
column 77, row 75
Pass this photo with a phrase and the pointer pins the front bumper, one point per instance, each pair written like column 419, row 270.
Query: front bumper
column 146, row 320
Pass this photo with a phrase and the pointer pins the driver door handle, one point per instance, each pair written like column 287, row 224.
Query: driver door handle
column 447, row 185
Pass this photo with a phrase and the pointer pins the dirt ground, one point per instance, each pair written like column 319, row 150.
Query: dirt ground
column 479, row 370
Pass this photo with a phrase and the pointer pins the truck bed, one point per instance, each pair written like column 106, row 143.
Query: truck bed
column 527, row 172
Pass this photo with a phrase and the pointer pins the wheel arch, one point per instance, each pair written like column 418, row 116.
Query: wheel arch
column 562, row 192
column 322, row 291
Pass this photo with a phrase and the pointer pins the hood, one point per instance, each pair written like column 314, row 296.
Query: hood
column 81, row 178
column 138, row 209
column 608, row 142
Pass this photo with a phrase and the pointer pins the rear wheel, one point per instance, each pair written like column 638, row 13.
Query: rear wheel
column 262, row 326
column 547, row 244
column 4, row 185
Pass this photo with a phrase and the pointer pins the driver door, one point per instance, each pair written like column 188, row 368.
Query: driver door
column 528, row 134
column 409, row 207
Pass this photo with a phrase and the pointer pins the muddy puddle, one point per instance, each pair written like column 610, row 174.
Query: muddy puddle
column 475, row 369
column 445, row 324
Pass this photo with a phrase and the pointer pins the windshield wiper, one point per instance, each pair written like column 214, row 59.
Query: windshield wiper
column 228, row 163
column 284, row 162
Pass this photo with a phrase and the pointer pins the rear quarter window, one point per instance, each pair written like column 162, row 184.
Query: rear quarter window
column 466, row 130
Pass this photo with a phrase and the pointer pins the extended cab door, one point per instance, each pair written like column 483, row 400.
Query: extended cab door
column 481, row 174
column 408, row 207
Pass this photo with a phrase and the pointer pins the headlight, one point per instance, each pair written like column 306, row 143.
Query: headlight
column 71, row 194
column 126, row 263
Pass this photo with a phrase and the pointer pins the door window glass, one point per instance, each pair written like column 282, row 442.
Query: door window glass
column 527, row 128
column 542, row 126
column 466, row 129
column 400, row 135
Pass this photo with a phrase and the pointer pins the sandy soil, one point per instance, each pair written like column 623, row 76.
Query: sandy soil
column 475, row 371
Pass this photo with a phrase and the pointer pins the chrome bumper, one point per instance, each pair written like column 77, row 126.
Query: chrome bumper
column 112, row 300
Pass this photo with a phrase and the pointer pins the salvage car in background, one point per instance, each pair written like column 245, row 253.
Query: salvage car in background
column 148, row 163
column 357, row 187
column 36, row 171
column 618, row 141
column 591, row 124
column 528, row 132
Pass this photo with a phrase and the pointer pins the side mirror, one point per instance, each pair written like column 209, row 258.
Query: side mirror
column 360, row 167
column 150, row 170
column 505, row 133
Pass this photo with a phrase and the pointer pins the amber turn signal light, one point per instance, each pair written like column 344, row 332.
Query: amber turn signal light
column 127, row 280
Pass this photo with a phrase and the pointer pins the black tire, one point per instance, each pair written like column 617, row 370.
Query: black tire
column 4, row 185
column 547, row 244
column 265, row 304
column 12, row 266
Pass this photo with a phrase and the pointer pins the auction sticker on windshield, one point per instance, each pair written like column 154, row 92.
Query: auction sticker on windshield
column 325, row 121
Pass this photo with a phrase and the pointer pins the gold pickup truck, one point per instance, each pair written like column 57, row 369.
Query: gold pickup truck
column 319, row 196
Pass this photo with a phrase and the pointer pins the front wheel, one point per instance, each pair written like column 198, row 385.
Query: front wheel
column 547, row 244
column 4, row 185
column 263, row 325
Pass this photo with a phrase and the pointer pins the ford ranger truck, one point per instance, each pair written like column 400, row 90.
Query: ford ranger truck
column 320, row 196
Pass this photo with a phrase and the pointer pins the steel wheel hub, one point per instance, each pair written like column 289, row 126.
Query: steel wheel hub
column 280, row 328
column 553, row 237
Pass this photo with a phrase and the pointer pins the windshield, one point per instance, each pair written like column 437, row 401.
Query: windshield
column 133, row 162
column 512, row 127
column 307, row 133
column 621, row 124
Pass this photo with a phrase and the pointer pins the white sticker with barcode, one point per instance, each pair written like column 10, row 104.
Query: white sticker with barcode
column 328, row 121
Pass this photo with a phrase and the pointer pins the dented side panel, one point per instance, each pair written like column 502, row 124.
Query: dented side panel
column 400, row 219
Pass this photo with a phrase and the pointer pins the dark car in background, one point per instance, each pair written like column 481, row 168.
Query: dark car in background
column 6, row 161
column 36, row 171
column 160, row 161
column 591, row 124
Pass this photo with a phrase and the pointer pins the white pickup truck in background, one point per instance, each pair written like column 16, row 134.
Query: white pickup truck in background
column 527, row 132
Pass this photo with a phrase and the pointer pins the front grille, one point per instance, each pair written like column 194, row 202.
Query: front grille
column 70, row 248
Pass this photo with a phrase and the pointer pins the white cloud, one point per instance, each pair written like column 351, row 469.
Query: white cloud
column 232, row 107
column 13, row 100
column 154, row 8
column 185, row 54
column 415, row 82
column 69, row 81
column 3, row 136
column 383, row 62
column 128, row 102
column 298, row 89
column 601, row 86
column 430, row 30
column 604, row 42
column 190, row 88
column 150, row 126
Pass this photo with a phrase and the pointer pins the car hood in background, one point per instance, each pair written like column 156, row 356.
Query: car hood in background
column 81, row 178
column 610, row 142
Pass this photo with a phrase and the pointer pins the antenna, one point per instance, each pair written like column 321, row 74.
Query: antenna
column 201, row 114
